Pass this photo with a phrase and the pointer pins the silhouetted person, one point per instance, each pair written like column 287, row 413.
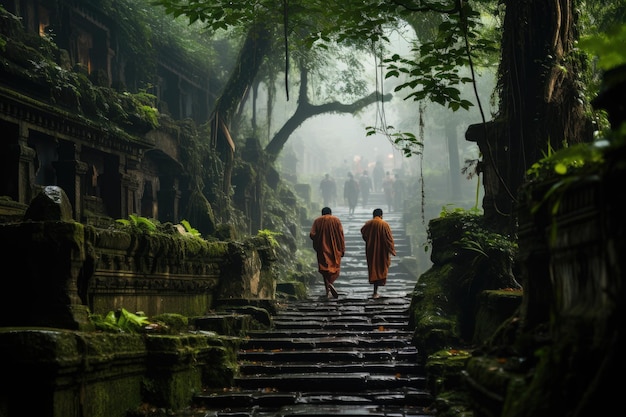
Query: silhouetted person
column 351, row 192
column 399, row 192
column 388, row 190
column 328, row 187
column 365, row 187
column 377, row 176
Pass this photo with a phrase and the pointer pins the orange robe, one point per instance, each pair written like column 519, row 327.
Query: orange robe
column 329, row 243
column 379, row 247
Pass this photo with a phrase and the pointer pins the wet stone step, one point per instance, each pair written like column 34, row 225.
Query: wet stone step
column 324, row 342
column 254, row 403
column 281, row 324
column 346, row 306
column 412, row 396
column 343, row 321
column 349, row 304
column 396, row 368
column 316, row 333
column 337, row 316
column 326, row 355
column 333, row 382
column 350, row 356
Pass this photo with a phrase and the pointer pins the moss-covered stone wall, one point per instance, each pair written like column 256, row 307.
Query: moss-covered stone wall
column 107, row 375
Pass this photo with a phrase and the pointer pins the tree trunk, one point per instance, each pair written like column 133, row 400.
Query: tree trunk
column 453, row 160
column 539, row 102
column 306, row 110
column 255, row 48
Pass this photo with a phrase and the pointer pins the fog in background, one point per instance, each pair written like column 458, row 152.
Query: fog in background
column 337, row 144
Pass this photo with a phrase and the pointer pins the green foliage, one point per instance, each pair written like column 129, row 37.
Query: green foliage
column 139, row 222
column 608, row 47
column 270, row 236
column 434, row 71
column 190, row 229
column 120, row 321
column 144, row 105
column 472, row 245
column 470, row 219
column 450, row 210
column 485, row 244
column 433, row 75
column 566, row 168
column 407, row 142
column 578, row 158
column 477, row 239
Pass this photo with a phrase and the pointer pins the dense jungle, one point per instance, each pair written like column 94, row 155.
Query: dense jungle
column 533, row 88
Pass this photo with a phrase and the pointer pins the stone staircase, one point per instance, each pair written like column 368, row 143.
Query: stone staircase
column 349, row 356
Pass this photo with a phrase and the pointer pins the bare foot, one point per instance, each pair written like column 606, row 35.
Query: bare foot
column 333, row 291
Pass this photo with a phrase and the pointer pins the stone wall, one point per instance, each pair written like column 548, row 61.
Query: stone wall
column 561, row 356
column 66, row 270
column 58, row 272
column 64, row 373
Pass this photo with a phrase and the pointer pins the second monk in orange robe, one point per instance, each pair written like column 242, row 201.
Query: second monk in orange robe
column 379, row 247
column 330, row 246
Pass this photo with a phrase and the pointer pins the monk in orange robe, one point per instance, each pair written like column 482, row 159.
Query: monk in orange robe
column 379, row 247
column 330, row 246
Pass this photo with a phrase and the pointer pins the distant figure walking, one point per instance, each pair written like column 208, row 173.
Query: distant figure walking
column 399, row 192
column 351, row 192
column 330, row 246
column 365, row 187
column 379, row 246
column 377, row 176
column 388, row 190
column 328, row 187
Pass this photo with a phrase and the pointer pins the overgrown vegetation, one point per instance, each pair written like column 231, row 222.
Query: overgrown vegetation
column 139, row 222
column 270, row 236
column 121, row 321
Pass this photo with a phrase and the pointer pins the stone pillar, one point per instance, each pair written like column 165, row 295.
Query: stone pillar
column 168, row 199
column 130, row 203
column 70, row 177
column 26, row 172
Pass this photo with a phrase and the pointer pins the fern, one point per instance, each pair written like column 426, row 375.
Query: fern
column 139, row 222
column 120, row 321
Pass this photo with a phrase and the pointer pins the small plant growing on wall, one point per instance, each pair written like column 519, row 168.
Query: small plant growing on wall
column 270, row 236
column 121, row 321
column 139, row 222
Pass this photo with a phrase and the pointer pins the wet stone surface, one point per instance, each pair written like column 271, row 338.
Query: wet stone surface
column 349, row 356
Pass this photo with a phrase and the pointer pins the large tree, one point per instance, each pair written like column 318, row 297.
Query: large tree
column 269, row 27
column 542, row 107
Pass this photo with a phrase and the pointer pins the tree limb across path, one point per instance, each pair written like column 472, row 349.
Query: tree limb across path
column 306, row 110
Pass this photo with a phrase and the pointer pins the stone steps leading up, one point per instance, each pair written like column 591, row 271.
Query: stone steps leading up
column 350, row 356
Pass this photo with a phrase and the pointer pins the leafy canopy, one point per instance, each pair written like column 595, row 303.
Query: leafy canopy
column 433, row 69
column 431, row 72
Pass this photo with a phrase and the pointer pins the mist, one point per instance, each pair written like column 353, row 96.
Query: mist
column 338, row 143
